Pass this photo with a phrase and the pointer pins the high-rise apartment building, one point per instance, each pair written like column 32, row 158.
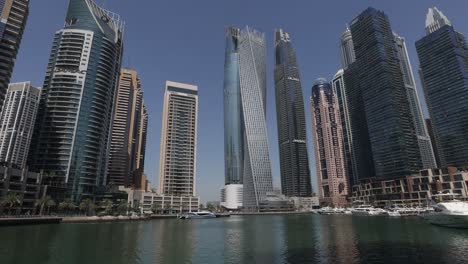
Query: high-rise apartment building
column 329, row 150
column 430, row 132
column 71, row 138
column 246, row 142
column 13, row 17
column 347, row 48
column 339, row 91
column 17, row 122
column 424, row 141
column 292, row 139
column 178, row 157
column 381, row 118
column 128, row 134
column 443, row 57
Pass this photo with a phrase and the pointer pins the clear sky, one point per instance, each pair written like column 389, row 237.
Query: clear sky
column 184, row 41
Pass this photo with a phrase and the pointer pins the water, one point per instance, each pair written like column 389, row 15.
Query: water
column 238, row 239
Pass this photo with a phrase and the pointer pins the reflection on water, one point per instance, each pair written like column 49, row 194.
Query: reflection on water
column 250, row 239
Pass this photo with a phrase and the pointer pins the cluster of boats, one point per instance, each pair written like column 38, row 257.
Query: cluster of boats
column 373, row 211
column 447, row 211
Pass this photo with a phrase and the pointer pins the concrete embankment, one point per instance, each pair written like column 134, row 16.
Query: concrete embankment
column 91, row 219
column 271, row 213
column 29, row 220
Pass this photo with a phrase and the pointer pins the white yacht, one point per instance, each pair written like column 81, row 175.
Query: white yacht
column 367, row 210
column 448, row 212
column 199, row 214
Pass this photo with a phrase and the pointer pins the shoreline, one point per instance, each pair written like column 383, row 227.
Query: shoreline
column 14, row 221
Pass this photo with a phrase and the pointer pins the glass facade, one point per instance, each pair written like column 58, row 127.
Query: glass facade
column 233, row 122
column 256, row 178
column 13, row 17
column 70, row 142
column 443, row 57
column 292, row 141
column 339, row 90
column 424, row 141
column 377, row 89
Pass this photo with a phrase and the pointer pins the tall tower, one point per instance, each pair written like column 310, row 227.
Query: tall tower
column 328, row 142
column 443, row 57
column 339, row 91
column 178, row 158
column 126, row 133
column 13, row 17
column 17, row 122
column 292, row 140
column 70, row 142
column 424, row 141
column 257, row 177
column 246, row 142
column 378, row 91
column 347, row 48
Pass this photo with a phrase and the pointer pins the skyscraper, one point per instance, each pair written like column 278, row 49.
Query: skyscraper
column 178, row 157
column 328, row 142
column 13, row 17
column 347, row 48
column 17, row 122
column 375, row 88
column 70, row 142
column 339, row 91
column 257, row 177
column 292, row 140
column 443, row 57
column 424, row 141
column 246, row 143
column 127, row 131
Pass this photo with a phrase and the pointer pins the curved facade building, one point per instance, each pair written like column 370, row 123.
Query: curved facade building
column 233, row 123
column 292, row 140
column 70, row 143
column 328, row 143
column 246, row 142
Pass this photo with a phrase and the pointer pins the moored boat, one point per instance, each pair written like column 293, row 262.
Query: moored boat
column 449, row 212
column 200, row 214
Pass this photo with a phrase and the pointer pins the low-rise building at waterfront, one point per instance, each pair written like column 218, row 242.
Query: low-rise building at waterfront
column 26, row 184
column 275, row 202
column 150, row 202
column 306, row 203
column 231, row 196
column 414, row 189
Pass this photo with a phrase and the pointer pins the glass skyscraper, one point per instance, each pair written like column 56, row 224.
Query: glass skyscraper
column 383, row 127
column 292, row 140
column 424, row 141
column 443, row 57
column 246, row 145
column 72, row 134
column 13, row 17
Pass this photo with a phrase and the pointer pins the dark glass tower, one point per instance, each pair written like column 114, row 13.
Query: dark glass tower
column 70, row 142
column 443, row 57
column 13, row 17
column 233, row 124
column 294, row 160
column 381, row 109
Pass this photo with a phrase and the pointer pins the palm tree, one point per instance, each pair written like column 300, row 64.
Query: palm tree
column 87, row 205
column 67, row 205
column 10, row 201
column 108, row 205
column 45, row 201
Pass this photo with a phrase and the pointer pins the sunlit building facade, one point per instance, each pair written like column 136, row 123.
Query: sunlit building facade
column 328, row 145
column 72, row 133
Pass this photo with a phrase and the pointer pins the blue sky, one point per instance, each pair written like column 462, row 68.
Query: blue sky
column 184, row 41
